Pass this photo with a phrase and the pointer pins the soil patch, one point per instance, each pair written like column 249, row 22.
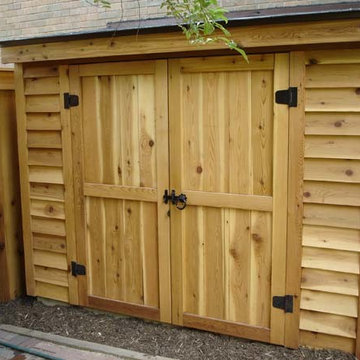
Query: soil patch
column 147, row 337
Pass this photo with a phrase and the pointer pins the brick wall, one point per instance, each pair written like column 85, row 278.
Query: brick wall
column 27, row 18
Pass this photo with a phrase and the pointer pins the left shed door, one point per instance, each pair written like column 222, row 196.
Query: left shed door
column 120, row 148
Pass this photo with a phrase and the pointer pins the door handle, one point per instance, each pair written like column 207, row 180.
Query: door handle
column 178, row 200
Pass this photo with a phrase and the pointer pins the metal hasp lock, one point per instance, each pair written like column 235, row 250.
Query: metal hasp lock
column 287, row 97
column 175, row 199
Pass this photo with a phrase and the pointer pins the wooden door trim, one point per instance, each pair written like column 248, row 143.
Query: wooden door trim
column 295, row 199
column 163, row 182
column 121, row 307
column 175, row 138
column 251, row 332
column 24, row 179
column 280, row 179
column 68, row 183
column 78, row 163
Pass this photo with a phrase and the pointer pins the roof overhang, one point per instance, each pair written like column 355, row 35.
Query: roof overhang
column 308, row 27
column 346, row 10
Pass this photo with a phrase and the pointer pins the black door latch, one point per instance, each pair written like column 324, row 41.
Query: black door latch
column 178, row 200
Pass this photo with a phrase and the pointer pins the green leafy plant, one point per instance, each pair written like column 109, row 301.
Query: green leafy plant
column 202, row 21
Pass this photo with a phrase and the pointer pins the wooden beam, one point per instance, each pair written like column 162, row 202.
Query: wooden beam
column 227, row 327
column 259, row 36
column 234, row 201
column 120, row 192
column 116, row 306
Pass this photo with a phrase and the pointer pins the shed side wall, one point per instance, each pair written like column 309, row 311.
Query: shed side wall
column 331, row 222
column 42, row 176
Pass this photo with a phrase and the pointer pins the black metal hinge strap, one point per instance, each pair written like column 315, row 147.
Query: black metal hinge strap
column 77, row 269
column 287, row 97
column 285, row 303
column 70, row 100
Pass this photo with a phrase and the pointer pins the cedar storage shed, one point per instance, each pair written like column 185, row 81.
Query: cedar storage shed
column 266, row 152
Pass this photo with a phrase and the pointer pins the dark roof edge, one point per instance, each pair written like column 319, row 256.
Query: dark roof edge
column 345, row 10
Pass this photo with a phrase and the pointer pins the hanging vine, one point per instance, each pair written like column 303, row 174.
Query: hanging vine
column 201, row 21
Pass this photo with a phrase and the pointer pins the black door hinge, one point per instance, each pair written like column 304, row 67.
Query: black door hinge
column 287, row 97
column 70, row 100
column 77, row 269
column 284, row 302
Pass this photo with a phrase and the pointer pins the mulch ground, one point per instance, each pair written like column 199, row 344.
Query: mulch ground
column 147, row 337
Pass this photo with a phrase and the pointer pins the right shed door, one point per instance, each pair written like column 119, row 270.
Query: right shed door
column 229, row 156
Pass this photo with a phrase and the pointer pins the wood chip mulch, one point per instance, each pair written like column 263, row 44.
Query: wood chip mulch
column 147, row 337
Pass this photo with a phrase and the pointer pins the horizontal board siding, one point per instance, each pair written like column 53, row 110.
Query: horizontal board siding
column 333, row 76
column 320, row 341
column 332, row 170
column 332, row 147
column 328, row 259
column 330, row 281
column 331, row 231
column 42, row 86
column 45, row 157
column 42, row 103
column 51, row 276
column 332, row 215
column 334, row 100
column 50, row 260
column 53, row 192
column 49, row 243
column 329, row 303
column 44, row 139
column 328, row 324
column 43, row 121
column 318, row 192
column 52, row 291
column 332, row 124
column 331, row 238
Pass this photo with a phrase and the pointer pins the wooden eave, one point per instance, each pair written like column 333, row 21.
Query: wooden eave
column 265, row 37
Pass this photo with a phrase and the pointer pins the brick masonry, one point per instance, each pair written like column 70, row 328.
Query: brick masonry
column 30, row 18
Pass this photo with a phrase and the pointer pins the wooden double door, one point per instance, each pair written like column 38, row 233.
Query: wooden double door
column 205, row 127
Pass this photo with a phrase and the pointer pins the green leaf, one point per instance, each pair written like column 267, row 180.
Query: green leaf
column 199, row 20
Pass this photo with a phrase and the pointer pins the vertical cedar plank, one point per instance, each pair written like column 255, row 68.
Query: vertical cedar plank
column 68, row 183
column 239, row 258
column 162, row 161
column 214, row 263
column 113, row 250
column 24, row 179
column 295, row 191
column 92, row 117
column 262, row 131
column 78, row 163
column 279, row 234
column 95, row 224
column 260, row 283
column 150, row 255
column 176, row 165
column 238, row 111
